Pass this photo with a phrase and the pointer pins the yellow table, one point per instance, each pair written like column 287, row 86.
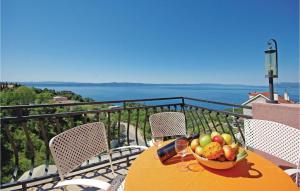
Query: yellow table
column 254, row 173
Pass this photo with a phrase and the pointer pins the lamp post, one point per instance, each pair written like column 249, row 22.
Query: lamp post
column 271, row 66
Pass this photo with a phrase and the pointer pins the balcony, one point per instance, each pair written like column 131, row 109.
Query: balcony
column 28, row 164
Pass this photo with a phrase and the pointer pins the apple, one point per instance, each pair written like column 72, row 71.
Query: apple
column 218, row 139
column 199, row 150
column 229, row 152
column 214, row 133
column 204, row 140
column 194, row 144
column 227, row 138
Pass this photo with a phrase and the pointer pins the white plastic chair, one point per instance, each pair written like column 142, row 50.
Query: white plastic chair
column 167, row 124
column 73, row 147
column 276, row 139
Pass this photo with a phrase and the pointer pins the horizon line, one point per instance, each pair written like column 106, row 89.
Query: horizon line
column 145, row 83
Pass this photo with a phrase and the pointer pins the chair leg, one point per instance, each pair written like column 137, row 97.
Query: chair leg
column 297, row 180
column 110, row 161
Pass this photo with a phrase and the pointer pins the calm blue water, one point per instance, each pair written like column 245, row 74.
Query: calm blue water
column 225, row 93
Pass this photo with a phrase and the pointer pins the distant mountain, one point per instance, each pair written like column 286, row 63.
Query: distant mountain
column 289, row 84
column 81, row 84
column 123, row 84
column 234, row 93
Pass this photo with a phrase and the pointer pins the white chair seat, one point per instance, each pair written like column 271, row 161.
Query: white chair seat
column 292, row 171
column 85, row 182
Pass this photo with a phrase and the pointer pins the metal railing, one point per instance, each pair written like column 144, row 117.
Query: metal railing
column 126, row 123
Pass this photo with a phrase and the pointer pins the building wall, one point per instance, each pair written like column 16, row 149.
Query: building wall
column 288, row 114
column 259, row 99
column 60, row 99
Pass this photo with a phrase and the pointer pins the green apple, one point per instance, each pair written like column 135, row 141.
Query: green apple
column 214, row 133
column 199, row 150
column 204, row 140
column 227, row 138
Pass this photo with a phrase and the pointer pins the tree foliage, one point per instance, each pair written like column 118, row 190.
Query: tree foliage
column 22, row 95
column 19, row 96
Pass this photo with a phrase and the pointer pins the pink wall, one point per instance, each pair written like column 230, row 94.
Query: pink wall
column 288, row 114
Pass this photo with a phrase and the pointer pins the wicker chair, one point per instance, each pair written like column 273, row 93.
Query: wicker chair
column 275, row 139
column 73, row 147
column 167, row 124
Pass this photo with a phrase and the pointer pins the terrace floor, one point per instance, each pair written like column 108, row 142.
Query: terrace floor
column 103, row 174
column 99, row 172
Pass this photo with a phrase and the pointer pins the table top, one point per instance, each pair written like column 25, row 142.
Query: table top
column 254, row 173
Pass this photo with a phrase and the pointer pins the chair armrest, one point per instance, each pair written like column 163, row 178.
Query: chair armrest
column 130, row 147
column 86, row 182
column 292, row 171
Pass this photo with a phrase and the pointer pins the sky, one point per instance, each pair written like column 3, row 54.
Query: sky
column 157, row 41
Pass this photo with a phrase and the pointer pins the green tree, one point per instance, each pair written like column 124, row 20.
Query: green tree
column 43, row 97
column 20, row 96
column 25, row 95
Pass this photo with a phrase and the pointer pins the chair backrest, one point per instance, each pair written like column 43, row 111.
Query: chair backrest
column 75, row 146
column 276, row 139
column 167, row 124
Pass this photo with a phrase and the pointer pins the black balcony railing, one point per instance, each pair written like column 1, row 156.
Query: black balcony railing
column 126, row 122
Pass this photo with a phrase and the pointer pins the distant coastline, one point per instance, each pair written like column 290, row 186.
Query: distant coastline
column 53, row 83
column 230, row 93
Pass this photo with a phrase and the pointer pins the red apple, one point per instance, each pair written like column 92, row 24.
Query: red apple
column 229, row 152
column 214, row 133
column 219, row 139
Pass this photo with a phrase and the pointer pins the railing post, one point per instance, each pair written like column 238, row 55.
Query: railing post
column 183, row 110
column 145, row 125
column 128, row 126
column 29, row 145
column 119, row 128
column 137, row 126
column 15, row 149
column 44, row 133
column 108, row 130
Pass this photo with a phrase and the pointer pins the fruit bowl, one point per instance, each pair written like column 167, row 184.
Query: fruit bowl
column 217, row 151
column 214, row 163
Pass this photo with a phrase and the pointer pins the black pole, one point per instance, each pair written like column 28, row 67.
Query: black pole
column 271, row 87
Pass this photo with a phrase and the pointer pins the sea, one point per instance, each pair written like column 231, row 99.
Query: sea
column 236, row 94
